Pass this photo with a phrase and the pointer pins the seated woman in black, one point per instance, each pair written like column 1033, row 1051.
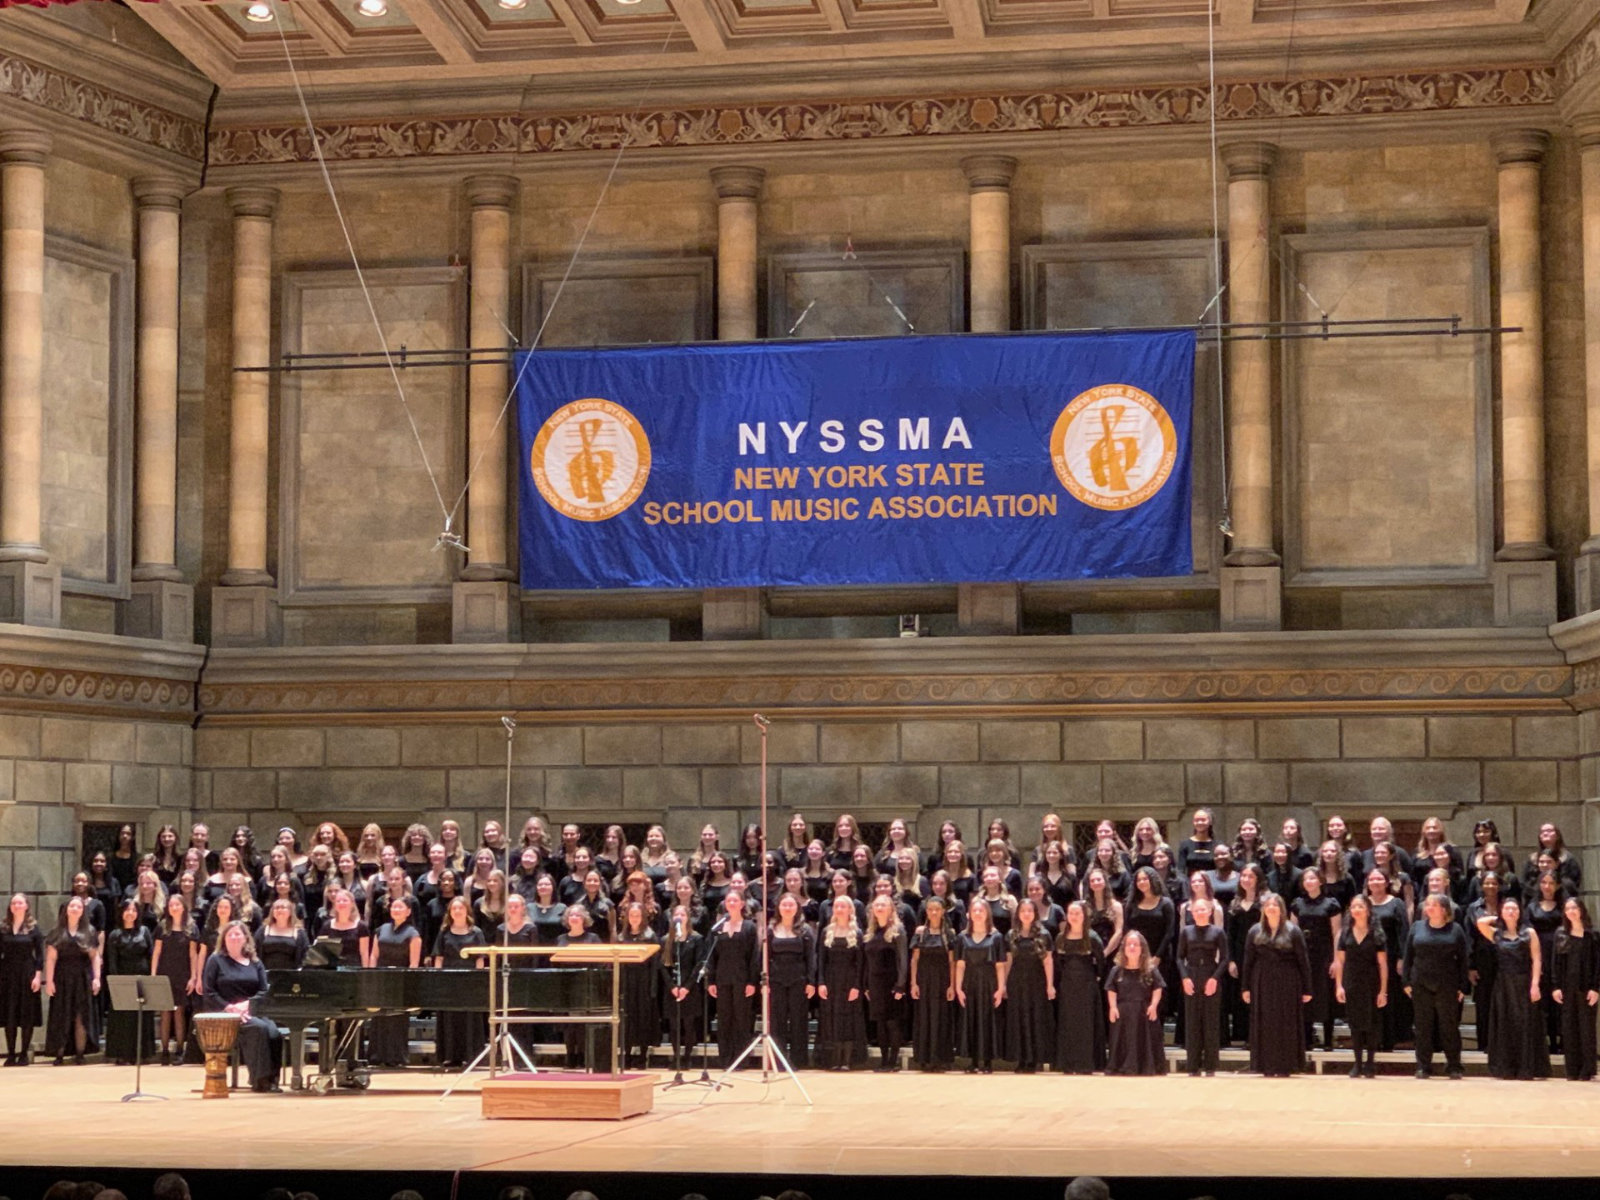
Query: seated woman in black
column 579, row 932
column 233, row 977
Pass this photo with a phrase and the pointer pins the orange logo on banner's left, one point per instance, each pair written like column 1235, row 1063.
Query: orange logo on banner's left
column 590, row 460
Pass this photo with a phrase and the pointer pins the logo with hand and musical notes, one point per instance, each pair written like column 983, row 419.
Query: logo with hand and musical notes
column 1113, row 446
column 590, row 460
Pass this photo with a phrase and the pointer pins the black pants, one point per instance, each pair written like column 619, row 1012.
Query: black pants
column 789, row 1016
column 684, row 1021
column 736, row 1023
column 1203, row 1023
column 260, row 1049
column 1578, row 1035
column 1365, row 1046
column 1438, row 1015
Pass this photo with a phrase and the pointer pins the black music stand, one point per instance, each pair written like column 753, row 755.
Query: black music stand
column 141, row 995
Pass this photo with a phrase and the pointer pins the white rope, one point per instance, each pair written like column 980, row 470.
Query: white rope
column 555, row 300
column 366, row 292
column 1226, row 523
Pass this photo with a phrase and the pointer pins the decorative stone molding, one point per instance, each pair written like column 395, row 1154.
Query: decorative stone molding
column 23, row 80
column 738, row 183
column 1340, row 97
column 989, row 172
column 62, row 671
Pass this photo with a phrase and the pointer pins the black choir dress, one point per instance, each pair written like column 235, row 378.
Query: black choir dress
column 1135, row 1038
column 1575, row 972
column 933, row 1023
column 1159, row 928
column 735, row 964
column 982, row 1033
column 887, row 963
column 128, row 953
column 1080, row 1006
column 1241, row 919
column 1276, row 974
column 1315, row 918
column 1395, row 1018
column 641, row 1002
column 841, row 1021
column 792, row 969
column 1362, row 982
column 1030, row 1013
column 73, row 1002
column 389, row 1037
column 282, row 951
column 1517, row 1046
column 459, row 1035
column 21, row 957
column 175, row 965
column 1545, row 922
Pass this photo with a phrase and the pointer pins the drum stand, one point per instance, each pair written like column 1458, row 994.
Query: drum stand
column 763, row 1042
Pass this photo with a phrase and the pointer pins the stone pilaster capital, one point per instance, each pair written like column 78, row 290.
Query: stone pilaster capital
column 989, row 172
column 159, row 191
column 1248, row 160
column 1586, row 127
column 738, row 183
column 1514, row 146
column 254, row 201
column 491, row 191
column 28, row 146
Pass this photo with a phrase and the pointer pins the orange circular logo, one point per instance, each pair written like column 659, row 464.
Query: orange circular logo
column 590, row 460
column 1113, row 446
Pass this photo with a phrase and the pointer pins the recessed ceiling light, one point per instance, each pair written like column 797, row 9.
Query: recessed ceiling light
column 513, row 5
column 627, row 1
column 258, row 12
column 372, row 8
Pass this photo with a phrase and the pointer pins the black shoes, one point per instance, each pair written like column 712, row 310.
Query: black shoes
column 1423, row 1073
column 1457, row 1073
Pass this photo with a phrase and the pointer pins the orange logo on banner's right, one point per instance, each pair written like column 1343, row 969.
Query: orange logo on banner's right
column 1113, row 447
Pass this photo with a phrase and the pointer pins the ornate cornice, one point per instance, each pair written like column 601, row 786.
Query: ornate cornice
column 94, row 674
column 46, row 88
column 1339, row 97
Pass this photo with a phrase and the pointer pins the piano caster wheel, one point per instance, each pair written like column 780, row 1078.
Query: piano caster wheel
column 361, row 1080
column 321, row 1084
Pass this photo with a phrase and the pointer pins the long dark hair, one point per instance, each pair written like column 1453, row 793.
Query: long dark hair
column 1262, row 934
column 86, row 936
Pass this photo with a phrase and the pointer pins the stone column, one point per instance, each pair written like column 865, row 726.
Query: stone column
column 736, row 613
column 244, row 609
column 1524, row 574
column 30, row 586
column 487, row 603
column 989, row 608
column 160, row 605
column 1251, row 577
column 1588, row 564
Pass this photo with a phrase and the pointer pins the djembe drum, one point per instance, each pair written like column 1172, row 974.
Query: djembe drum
column 216, row 1033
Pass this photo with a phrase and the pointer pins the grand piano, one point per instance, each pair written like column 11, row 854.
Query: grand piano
column 310, row 996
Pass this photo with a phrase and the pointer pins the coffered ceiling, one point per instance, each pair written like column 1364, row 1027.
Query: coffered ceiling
column 552, row 42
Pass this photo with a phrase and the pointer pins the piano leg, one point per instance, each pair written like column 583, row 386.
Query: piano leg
column 297, row 1056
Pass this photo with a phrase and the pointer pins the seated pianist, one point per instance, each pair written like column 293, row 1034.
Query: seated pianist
column 232, row 978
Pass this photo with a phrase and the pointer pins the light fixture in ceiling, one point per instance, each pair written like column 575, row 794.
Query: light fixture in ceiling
column 259, row 12
column 372, row 8
column 513, row 5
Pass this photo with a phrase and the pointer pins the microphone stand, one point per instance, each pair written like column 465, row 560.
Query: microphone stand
column 677, row 1024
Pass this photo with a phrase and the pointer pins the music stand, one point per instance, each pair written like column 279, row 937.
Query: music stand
column 140, row 995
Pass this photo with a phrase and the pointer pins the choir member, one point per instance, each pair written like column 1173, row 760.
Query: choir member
column 842, row 887
column 281, row 942
column 684, row 952
column 1224, row 877
column 641, row 989
column 355, row 935
column 395, row 885
column 958, row 866
column 1108, row 859
column 792, row 955
column 1544, row 916
column 1430, row 842
column 460, row 1035
column 997, row 854
column 1050, row 830
column 129, row 945
column 734, row 969
column 981, row 966
column 1344, row 842
column 1361, row 972
column 548, row 914
column 1390, row 915
column 955, row 912
column 1494, row 861
column 233, row 977
column 897, row 842
column 939, row 856
column 1059, row 875
column 319, row 872
column 910, row 888
column 1567, row 866
column 169, row 859
column 1030, row 991
column 413, row 859
column 124, row 857
column 1575, row 983
column 1276, row 983
column 1000, row 832
column 747, row 858
column 398, row 944
column 700, row 857
column 1517, row 1048
column 1282, row 875
column 608, row 859
column 1146, row 841
column 1105, row 910
column 1386, row 861
column 1050, row 914
column 21, row 978
column 841, row 978
column 862, row 872
column 1333, row 868
column 1197, row 851
column 846, row 837
column 1381, row 832
column 489, row 908
column 1002, row 904
column 1290, row 834
column 1080, row 1007
column 1202, row 959
column 1152, row 915
column 1133, row 1008
column 1482, row 966
column 1435, row 975
column 108, row 893
column 1237, row 922
column 1248, row 846
column 72, row 981
column 1319, row 917
column 817, row 874
column 177, row 956
column 933, row 989
column 887, row 962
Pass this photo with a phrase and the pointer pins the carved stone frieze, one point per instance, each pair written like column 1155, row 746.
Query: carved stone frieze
column 25, row 81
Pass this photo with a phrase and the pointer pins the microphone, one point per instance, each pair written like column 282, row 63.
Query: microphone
column 677, row 928
column 508, row 723
column 761, row 722
column 721, row 921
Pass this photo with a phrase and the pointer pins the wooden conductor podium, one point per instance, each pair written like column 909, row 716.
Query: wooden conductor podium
column 565, row 1095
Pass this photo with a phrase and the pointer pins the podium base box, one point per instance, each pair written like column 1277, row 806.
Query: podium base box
column 568, row 1096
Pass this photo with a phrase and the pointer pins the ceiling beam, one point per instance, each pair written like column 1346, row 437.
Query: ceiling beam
column 1512, row 10
column 1234, row 14
column 568, row 16
column 444, row 33
column 833, row 13
column 184, row 33
column 966, row 19
column 697, row 19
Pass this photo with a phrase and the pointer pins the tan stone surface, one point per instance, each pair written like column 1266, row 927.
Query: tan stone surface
column 937, row 741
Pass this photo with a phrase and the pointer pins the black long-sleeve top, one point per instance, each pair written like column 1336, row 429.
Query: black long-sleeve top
column 1157, row 925
column 735, row 956
column 1202, row 953
column 793, row 959
column 1581, row 957
column 227, row 982
column 1437, row 958
column 879, row 949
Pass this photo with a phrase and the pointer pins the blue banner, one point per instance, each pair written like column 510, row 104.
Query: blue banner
column 870, row 461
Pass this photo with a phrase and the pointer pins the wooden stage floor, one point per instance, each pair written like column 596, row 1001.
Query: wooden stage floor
column 860, row 1125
